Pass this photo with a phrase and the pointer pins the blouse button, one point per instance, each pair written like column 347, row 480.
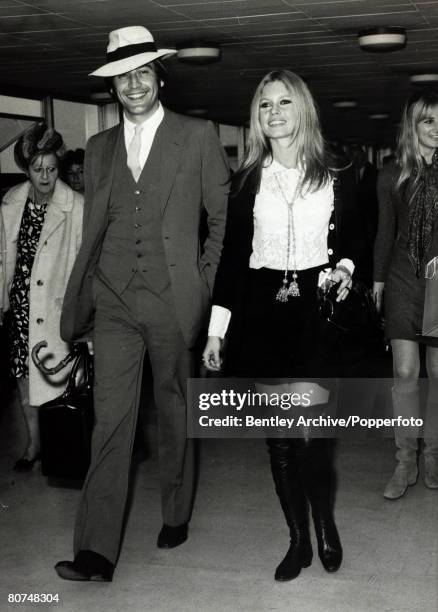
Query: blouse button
column 39, row 321
column 40, row 283
column 332, row 226
column 330, row 251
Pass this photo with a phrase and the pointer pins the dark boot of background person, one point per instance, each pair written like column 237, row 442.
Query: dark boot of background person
column 406, row 405
column 294, row 505
column 315, row 457
column 430, row 449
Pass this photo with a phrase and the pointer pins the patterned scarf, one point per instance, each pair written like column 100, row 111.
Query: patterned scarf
column 422, row 213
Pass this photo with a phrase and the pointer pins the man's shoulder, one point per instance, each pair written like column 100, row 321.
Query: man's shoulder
column 101, row 138
column 191, row 123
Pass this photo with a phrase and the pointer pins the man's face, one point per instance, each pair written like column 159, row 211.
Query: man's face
column 137, row 92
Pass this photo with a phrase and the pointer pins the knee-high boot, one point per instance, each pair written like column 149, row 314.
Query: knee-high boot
column 294, row 505
column 431, row 437
column 318, row 477
column 405, row 404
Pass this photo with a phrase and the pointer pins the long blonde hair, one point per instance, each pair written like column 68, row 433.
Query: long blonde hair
column 308, row 139
column 407, row 154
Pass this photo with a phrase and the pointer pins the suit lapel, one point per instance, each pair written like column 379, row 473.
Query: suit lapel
column 107, row 156
column 172, row 135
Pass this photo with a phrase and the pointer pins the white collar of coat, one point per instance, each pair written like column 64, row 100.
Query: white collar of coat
column 62, row 197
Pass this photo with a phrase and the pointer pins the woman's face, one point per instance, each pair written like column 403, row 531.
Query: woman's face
column 75, row 177
column 43, row 173
column 277, row 112
column 427, row 132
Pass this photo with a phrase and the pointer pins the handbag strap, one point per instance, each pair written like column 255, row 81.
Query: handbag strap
column 82, row 357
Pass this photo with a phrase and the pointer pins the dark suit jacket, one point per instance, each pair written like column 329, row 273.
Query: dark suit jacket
column 195, row 177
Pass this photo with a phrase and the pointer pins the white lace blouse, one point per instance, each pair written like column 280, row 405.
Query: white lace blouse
column 311, row 216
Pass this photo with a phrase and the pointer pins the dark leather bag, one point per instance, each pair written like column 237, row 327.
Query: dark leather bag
column 357, row 312
column 66, row 422
column 350, row 329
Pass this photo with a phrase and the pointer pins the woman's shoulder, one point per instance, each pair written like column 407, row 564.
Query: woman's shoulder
column 66, row 198
column 17, row 194
column 246, row 180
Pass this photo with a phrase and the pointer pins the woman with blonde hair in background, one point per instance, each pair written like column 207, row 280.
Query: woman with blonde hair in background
column 408, row 211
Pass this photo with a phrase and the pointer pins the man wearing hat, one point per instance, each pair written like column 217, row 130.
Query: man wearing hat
column 141, row 283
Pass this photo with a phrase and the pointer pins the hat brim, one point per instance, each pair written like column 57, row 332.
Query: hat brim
column 131, row 63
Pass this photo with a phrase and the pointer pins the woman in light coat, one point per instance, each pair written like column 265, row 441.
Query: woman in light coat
column 40, row 235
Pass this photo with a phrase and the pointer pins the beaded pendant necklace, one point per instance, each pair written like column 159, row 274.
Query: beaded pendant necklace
column 293, row 290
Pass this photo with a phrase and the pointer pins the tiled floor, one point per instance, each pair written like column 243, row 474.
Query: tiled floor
column 237, row 537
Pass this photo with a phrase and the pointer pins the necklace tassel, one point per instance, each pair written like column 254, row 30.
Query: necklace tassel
column 282, row 293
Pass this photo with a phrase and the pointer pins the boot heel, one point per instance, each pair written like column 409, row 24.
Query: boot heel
column 307, row 559
column 292, row 564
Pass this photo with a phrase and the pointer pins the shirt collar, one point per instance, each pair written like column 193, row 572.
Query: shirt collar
column 149, row 125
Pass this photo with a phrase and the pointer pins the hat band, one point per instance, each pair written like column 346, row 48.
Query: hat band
column 130, row 50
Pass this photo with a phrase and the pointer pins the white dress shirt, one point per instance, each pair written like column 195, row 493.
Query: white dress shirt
column 149, row 128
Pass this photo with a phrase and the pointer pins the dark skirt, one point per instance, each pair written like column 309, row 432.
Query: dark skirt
column 274, row 339
column 404, row 300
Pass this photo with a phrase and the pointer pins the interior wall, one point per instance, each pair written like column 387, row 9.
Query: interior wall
column 76, row 122
column 16, row 106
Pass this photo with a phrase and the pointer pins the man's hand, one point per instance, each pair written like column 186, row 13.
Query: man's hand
column 211, row 357
column 378, row 288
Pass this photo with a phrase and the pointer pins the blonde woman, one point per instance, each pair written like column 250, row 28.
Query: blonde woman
column 281, row 233
column 408, row 204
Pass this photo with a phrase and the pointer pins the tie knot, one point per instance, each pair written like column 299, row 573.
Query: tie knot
column 137, row 130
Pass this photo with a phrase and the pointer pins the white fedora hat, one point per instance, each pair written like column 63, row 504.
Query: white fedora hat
column 128, row 49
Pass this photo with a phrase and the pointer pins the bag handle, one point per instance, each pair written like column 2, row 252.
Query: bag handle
column 82, row 356
column 79, row 354
column 431, row 269
column 50, row 371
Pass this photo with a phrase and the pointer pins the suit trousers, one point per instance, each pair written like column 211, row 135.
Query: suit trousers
column 126, row 326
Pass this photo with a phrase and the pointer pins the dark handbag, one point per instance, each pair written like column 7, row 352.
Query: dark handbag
column 66, row 422
column 354, row 314
column 350, row 329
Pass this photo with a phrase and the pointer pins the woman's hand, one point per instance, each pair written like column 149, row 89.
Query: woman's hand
column 211, row 357
column 378, row 288
column 342, row 276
